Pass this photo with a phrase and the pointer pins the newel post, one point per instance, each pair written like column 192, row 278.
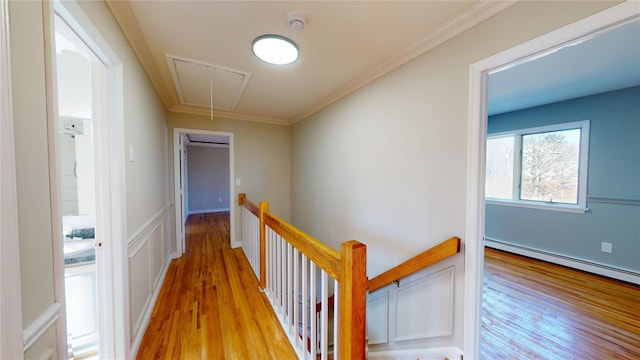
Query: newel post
column 353, row 300
column 264, row 207
column 241, row 198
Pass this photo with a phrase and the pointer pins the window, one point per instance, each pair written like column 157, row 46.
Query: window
column 543, row 167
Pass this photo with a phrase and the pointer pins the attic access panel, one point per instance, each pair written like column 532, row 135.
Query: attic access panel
column 194, row 81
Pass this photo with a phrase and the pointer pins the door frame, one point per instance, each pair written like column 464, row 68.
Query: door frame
column 11, row 342
column 180, row 212
column 110, row 191
column 476, row 146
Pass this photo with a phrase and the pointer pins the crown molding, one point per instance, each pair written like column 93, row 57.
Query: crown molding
column 470, row 18
column 122, row 13
column 127, row 22
column 225, row 114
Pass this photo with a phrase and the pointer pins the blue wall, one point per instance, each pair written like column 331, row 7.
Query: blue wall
column 613, row 190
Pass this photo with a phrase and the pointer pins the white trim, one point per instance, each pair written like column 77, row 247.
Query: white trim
column 148, row 225
column 584, row 265
column 11, row 342
column 476, row 146
column 539, row 205
column 206, row 211
column 422, row 354
column 583, row 168
column 113, row 311
column 192, row 143
column 42, row 323
column 144, row 322
column 470, row 18
column 177, row 133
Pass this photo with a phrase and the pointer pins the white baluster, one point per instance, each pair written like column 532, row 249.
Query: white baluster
column 312, row 305
column 306, row 310
column 324, row 316
column 336, row 318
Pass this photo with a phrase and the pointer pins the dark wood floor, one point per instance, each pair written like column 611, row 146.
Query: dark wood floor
column 210, row 306
column 537, row 310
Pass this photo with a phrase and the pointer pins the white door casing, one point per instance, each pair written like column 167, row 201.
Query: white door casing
column 110, row 186
column 11, row 344
column 476, row 146
column 178, row 171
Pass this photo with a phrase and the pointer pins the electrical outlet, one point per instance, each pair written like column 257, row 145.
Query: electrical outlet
column 606, row 247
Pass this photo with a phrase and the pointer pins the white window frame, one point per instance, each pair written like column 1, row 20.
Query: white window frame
column 583, row 162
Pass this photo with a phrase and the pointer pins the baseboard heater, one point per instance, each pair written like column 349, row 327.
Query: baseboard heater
column 595, row 268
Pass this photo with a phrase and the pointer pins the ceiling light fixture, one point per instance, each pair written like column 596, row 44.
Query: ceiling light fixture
column 275, row 49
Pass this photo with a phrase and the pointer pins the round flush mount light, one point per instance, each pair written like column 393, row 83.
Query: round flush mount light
column 275, row 49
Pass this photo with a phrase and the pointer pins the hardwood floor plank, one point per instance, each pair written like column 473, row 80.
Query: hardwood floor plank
column 210, row 306
column 537, row 310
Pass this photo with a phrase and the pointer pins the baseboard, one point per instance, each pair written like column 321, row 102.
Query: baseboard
column 451, row 353
column 583, row 265
column 142, row 329
column 206, row 211
column 236, row 244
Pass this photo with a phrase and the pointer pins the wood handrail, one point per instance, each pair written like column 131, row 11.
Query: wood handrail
column 429, row 257
column 349, row 267
column 324, row 256
column 243, row 201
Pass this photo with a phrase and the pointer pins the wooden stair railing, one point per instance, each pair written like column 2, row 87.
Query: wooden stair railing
column 348, row 267
column 427, row 258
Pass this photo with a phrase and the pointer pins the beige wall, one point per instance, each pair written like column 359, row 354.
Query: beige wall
column 32, row 162
column 262, row 159
column 144, row 126
column 387, row 165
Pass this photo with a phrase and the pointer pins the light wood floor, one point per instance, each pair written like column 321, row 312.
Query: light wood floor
column 537, row 310
column 210, row 306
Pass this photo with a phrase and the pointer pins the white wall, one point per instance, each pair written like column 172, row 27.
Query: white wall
column 387, row 166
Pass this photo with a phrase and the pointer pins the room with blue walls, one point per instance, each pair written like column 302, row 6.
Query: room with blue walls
column 613, row 185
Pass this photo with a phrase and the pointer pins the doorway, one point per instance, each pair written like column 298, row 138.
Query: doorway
column 78, row 71
column 476, row 145
column 216, row 143
column 84, row 83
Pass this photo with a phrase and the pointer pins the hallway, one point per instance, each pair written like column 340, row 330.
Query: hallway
column 210, row 306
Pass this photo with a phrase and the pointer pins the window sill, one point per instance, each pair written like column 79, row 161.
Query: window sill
column 531, row 205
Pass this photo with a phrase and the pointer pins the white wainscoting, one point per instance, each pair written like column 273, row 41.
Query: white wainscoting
column 148, row 255
column 40, row 325
column 402, row 320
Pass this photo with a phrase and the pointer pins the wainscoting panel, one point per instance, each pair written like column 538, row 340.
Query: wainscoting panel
column 159, row 258
column 140, row 284
column 378, row 319
column 406, row 321
column 148, row 262
column 413, row 320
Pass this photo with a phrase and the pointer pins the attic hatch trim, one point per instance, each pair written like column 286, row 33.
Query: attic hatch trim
column 172, row 62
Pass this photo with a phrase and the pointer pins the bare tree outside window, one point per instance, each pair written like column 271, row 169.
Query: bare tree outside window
column 550, row 166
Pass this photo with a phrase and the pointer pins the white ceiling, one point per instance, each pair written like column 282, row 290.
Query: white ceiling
column 602, row 62
column 345, row 45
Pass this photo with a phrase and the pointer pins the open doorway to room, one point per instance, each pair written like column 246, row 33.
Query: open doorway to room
column 86, row 133
column 204, row 178
column 543, row 74
column 77, row 74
